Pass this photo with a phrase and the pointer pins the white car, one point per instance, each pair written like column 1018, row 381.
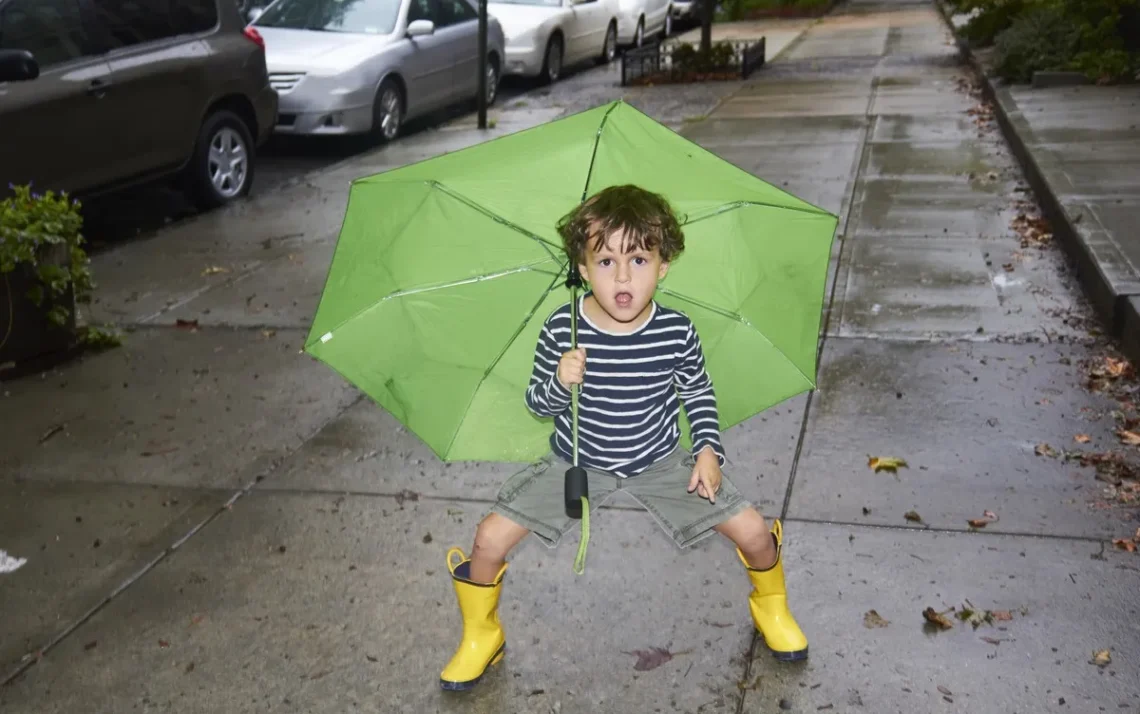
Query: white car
column 543, row 36
column 638, row 19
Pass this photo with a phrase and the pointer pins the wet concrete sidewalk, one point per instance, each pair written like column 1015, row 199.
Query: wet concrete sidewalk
column 297, row 532
column 1080, row 148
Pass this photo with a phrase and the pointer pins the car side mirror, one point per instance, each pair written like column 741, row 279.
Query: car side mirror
column 254, row 13
column 18, row 66
column 419, row 28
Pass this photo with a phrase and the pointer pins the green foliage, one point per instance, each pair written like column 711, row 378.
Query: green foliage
column 687, row 58
column 1100, row 38
column 42, row 232
column 734, row 10
column 100, row 338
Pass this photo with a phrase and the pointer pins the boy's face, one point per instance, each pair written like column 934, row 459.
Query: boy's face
column 623, row 283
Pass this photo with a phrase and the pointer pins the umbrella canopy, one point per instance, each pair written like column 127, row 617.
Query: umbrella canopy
column 445, row 271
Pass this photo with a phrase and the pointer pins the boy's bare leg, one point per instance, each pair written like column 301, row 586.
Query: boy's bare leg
column 751, row 534
column 494, row 539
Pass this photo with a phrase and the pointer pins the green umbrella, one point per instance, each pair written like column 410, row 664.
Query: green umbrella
column 445, row 271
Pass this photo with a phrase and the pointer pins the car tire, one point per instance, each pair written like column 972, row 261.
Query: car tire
column 609, row 45
column 388, row 111
column 552, row 60
column 494, row 75
column 221, row 168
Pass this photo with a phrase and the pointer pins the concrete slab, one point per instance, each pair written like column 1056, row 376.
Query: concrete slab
column 950, row 207
column 324, row 603
column 1064, row 606
column 1118, row 219
column 365, row 450
column 921, row 101
column 953, row 286
column 824, row 162
column 923, row 129
column 81, row 541
column 790, row 106
column 733, row 133
column 171, row 407
column 824, row 41
column 967, row 418
column 828, row 195
column 936, row 159
column 804, row 86
column 282, row 293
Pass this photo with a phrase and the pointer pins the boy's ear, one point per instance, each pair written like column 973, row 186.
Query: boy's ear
column 582, row 272
column 662, row 270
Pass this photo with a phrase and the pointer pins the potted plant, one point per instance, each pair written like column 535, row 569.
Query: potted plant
column 43, row 275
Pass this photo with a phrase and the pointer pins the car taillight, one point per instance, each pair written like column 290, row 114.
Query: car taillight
column 255, row 37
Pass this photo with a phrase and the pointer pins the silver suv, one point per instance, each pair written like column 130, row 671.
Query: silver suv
column 102, row 94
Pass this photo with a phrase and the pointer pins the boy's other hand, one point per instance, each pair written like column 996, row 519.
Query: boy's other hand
column 706, row 475
column 572, row 367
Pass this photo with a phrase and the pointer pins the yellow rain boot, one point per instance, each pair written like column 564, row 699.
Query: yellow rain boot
column 769, row 605
column 483, row 642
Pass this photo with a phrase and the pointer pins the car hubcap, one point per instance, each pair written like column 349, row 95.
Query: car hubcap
column 389, row 119
column 492, row 82
column 228, row 163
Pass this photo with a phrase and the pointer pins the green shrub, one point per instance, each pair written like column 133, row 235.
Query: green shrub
column 992, row 18
column 1041, row 39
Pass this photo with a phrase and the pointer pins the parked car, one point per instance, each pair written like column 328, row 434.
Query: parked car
column 117, row 92
column 686, row 12
column 543, row 36
column 366, row 66
column 638, row 19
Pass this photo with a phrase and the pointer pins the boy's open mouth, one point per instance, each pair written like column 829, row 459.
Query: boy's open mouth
column 624, row 299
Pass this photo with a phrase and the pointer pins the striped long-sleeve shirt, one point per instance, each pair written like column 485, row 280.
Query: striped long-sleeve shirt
column 628, row 407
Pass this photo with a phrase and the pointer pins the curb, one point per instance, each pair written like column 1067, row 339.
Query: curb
column 1119, row 311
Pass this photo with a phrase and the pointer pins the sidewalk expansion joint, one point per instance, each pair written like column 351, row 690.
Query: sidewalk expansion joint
column 942, row 530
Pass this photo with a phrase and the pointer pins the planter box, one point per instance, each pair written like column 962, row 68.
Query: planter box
column 26, row 333
column 653, row 64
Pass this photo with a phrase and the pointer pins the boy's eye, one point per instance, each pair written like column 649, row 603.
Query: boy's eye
column 605, row 262
column 639, row 261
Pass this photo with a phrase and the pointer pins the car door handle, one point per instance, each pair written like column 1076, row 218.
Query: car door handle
column 98, row 88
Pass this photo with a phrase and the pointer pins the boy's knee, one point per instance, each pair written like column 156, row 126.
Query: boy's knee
column 495, row 537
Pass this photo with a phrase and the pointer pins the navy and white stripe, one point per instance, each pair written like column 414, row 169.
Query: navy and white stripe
column 628, row 406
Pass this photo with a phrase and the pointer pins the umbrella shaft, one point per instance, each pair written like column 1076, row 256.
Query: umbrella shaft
column 574, row 387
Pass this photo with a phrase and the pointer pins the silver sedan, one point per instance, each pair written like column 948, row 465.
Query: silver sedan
column 366, row 66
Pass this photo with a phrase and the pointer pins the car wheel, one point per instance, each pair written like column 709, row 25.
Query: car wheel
column 552, row 64
column 387, row 111
column 221, row 169
column 668, row 24
column 492, row 80
column 609, row 47
column 639, row 33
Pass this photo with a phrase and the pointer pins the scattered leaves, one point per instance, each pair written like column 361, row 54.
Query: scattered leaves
column 873, row 619
column 913, row 516
column 886, row 463
column 1125, row 544
column 1101, row 658
column 1128, row 437
column 987, row 518
column 1033, row 230
column 1045, row 450
column 1082, row 438
column 937, row 618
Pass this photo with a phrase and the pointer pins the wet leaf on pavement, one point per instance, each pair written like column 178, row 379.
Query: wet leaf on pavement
column 945, row 691
column 873, row 619
column 987, row 517
column 1045, row 450
column 1082, row 438
column 215, row 270
column 651, row 658
column 886, row 463
column 1101, row 658
column 90, row 645
column 191, row 325
column 1002, row 615
column 1125, row 544
column 163, row 644
column 936, row 618
column 913, row 516
column 1128, row 437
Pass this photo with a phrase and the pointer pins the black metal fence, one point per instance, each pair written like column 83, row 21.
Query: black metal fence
column 660, row 62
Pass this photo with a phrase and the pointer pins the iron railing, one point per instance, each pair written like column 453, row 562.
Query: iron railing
column 656, row 61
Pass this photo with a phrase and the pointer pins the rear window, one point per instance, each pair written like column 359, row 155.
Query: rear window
column 372, row 17
column 133, row 22
column 52, row 30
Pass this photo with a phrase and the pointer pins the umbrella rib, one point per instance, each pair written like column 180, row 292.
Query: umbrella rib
column 742, row 204
column 498, row 357
column 431, row 288
column 737, row 318
column 594, row 153
column 546, row 245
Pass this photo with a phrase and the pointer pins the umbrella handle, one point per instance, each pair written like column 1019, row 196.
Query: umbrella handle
column 577, row 491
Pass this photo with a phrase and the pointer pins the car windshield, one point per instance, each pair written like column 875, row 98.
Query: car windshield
column 373, row 17
column 544, row 3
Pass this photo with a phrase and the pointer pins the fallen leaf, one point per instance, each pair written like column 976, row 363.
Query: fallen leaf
column 1082, row 438
column 1002, row 615
column 1045, row 450
column 873, row 619
column 1102, row 658
column 913, row 516
column 977, row 522
column 937, row 618
column 651, row 658
column 90, row 645
column 191, row 325
column 51, row 432
column 215, row 270
column 991, row 640
column 163, row 643
column 189, row 668
column 1124, row 544
column 886, row 463
column 945, row 691
column 370, row 658
column 1129, row 437
column 268, row 333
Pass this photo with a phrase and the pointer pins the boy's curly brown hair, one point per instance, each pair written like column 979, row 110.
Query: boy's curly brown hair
column 645, row 220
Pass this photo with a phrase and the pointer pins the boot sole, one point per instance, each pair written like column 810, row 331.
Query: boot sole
column 796, row 656
column 470, row 684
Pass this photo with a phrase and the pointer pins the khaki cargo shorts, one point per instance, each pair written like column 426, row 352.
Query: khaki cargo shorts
column 535, row 498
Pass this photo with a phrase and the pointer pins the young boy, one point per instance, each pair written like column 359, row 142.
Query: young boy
column 635, row 359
